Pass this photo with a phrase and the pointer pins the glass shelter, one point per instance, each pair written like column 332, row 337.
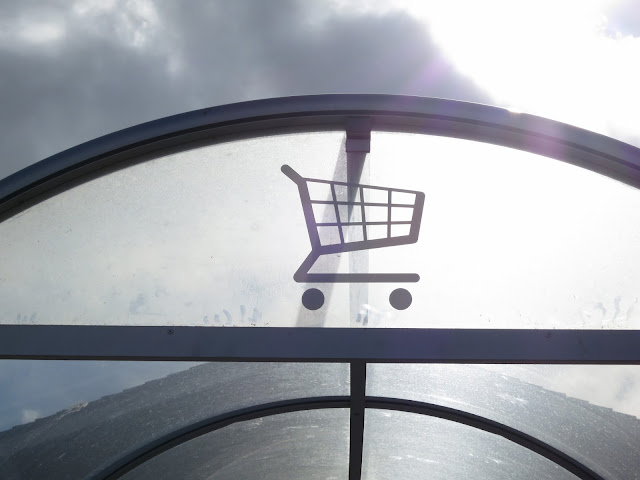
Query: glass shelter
column 324, row 287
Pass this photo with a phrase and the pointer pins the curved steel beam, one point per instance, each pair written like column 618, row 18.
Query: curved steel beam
column 450, row 118
column 190, row 432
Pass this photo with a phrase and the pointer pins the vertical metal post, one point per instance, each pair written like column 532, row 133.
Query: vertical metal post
column 357, row 145
column 356, row 437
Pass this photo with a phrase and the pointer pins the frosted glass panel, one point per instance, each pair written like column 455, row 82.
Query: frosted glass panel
column 213, row 237
column 410, row 446
column 75, row 419
column 508, row 239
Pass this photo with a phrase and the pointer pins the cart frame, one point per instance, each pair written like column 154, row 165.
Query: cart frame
column 302, row 275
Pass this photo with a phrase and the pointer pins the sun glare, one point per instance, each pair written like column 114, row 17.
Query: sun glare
column 552, row 58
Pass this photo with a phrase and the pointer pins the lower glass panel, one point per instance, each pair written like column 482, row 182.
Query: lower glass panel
column 410, row 446
column 36, row 389
column 301, row 445
column 95, row 413
column 588, row 412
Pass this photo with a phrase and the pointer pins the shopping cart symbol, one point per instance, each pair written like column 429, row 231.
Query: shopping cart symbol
column 363, row 239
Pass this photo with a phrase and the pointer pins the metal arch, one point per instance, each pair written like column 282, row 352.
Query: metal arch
column 450, row 118
column 151, row 450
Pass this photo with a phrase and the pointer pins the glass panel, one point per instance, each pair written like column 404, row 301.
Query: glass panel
column 411, row 446
column 588, row 412
column 88, row 421
column 214, row 235
column 508, row 239
column 309, row 445
column 211, row 236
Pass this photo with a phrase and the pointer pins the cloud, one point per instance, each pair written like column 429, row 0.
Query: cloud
column 73, row 71
column 32, row 389
column 29, row 415
column 623, row 18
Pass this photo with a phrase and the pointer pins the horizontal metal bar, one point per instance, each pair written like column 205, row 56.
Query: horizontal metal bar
column 367, row 243
column 360, row 277
column 359, row 185
column 319, row 344
column 366, row 204
column 351, row 224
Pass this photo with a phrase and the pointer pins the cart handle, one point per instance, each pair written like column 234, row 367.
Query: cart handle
column 292, row 174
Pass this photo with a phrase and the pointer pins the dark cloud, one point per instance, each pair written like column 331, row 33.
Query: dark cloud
column 277, row 49
column 100, row 77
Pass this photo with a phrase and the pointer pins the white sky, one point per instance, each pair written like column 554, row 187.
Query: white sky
column 571, row 60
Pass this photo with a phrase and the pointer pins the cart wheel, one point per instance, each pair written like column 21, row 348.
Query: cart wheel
column 313, row 299
column 400, row 299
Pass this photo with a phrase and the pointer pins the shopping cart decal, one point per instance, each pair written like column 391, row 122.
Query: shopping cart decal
column 313, row 298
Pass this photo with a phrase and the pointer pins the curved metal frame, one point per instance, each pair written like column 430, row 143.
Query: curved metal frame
column 179, row 437
column 450, row 118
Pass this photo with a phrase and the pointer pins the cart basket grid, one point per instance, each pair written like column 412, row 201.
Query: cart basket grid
column 353, row 235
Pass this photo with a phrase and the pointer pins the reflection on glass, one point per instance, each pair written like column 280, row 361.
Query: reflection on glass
column 95, row 413
column 33, row 389
column 585, row 411
column 303, row 445
column 509, row 239
column 411, row 446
